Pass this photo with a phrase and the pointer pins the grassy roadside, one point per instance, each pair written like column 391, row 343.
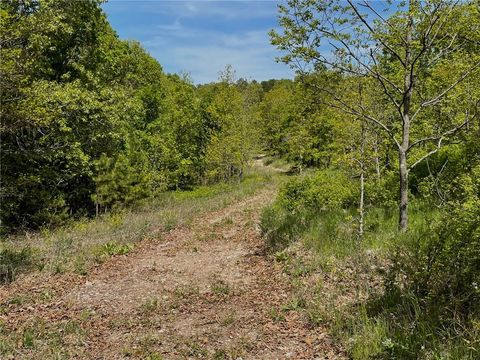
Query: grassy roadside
column 335, row 276
column 381, row 296
column 79, row 245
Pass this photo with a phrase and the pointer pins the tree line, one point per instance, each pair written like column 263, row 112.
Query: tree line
column 91, row 122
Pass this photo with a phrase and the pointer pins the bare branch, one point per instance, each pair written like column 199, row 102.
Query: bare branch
column 362, row 19
column 439, row 139
column 445, row 51
column 452, row 7
column 430, row 153
column 372, row 9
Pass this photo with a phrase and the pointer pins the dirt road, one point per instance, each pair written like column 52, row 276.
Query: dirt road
column 206, row 291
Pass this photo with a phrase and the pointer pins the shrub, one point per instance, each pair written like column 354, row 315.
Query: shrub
column 326, row 190
column 444, row 266
column 432, row 297
column 382, row 192
column 281, row 227
column 301, row 200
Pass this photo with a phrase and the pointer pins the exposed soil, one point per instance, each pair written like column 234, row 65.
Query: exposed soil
column 206, row 291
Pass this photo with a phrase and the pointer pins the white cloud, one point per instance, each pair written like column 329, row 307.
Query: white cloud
column 188, row 41
column 204, row 53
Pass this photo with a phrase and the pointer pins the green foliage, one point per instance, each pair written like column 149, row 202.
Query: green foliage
column 112, row 248
column 178, row 137
column 121, row 181
column 303, row 199
column 393, row 73
column 325, row 190
column 442, row 265
column 91, row 122
column 431, row 302
column 382, row 192
column 231, row 142
column 276, row 110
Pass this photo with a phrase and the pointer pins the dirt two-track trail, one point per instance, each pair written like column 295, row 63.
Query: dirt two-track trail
column 204, row 291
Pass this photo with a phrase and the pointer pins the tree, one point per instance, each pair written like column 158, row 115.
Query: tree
column 52, row 124
column 231, row 139
column 178, row 137
column 402, row 48
column 275, row 112
column 89, row 121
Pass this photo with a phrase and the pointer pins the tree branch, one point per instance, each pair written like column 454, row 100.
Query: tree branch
column 439, row 97
column 372, row 31
column 446, row 133
column 352, row 111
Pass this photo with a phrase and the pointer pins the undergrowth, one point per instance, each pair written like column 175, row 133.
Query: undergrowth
column 385, row 295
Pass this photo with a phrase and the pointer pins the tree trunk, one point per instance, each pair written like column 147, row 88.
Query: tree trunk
column 362, row 182
column 403, row 203
column 377, row 157
column 403, row 148
column 361, row 206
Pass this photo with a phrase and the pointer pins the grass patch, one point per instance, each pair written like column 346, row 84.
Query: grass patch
column 14, row 261
column 341, row 281
column 349, row 295
column 44, row 339
column 149, row 306
column 276, row 315
column 228, row 319
column 220, row 287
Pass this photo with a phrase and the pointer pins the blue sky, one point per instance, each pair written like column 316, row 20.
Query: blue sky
column 200, row 37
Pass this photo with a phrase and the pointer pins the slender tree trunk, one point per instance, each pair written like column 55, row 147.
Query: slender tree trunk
column 377, row 157
column 403, row 203
column 361, row 206
column 403, row 148
column 362, row 183
column 97, row 203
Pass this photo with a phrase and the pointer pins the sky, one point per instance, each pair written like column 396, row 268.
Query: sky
column 201, row 37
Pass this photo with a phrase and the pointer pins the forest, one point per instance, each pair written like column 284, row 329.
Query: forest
column 355, row 185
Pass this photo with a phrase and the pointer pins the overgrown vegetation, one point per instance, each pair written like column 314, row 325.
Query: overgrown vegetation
column 385, row 292
column 417, row 293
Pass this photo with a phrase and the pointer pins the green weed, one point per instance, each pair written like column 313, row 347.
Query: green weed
column 228, row 319
column 149, row 306
column 220, row 287
column 276, row 314
column 112, row 248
